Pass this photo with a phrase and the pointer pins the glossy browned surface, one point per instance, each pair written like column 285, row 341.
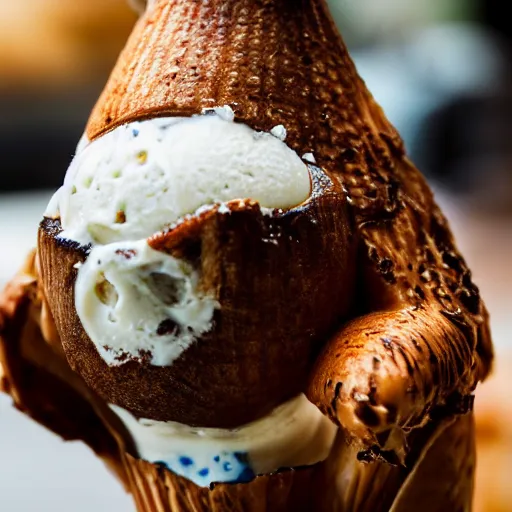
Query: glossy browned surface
column 416, row 342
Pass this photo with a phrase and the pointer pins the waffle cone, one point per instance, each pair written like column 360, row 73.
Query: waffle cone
column 371, row 242
column 277, row 62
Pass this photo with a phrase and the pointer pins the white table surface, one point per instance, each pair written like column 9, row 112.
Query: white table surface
column 40, row 473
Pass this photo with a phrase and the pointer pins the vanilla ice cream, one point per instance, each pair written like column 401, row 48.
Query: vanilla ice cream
column 294, row 434
column 135, row 303
column 142, row 177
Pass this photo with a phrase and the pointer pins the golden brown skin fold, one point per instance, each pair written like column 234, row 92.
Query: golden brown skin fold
column 373, row 315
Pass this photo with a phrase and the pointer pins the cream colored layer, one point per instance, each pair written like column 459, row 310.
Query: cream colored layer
column 144, row 176
column 137, row 303
column 292, row 435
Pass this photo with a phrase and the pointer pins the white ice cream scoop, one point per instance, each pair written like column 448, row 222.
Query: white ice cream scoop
column 144, row 176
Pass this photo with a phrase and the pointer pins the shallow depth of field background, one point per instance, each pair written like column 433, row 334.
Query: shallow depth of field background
column 442, row 70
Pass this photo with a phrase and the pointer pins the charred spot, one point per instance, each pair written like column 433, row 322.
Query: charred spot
column 434, row 275
column 385, row 265
column 380, row 178
column 349, row 155
column 460, row 404
column 370, row 160
column 429, row 255
column 470, row 300
column 409, row 266
column 306, row 60
column 451, row 260
column 371, row 193
column 366, row 456
column 467, row 280
column 375, row 453
column 419, row 292
column 394, row 204
column 389, row 277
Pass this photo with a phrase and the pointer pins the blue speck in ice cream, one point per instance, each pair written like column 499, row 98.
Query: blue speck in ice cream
column 224, row 467
column 294, row 434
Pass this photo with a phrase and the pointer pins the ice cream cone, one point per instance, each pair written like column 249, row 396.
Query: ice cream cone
column 357, row 297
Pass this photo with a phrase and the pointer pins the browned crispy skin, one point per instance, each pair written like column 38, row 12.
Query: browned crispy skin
column 425, row 342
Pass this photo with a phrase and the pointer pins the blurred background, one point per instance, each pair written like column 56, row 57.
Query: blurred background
column 442, row 70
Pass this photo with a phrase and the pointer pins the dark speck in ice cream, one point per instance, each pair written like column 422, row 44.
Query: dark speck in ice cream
column 186, row 461
column 127, row 253
column 168, row 326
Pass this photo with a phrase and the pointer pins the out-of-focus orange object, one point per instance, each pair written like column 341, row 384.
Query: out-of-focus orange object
column 493, row 490
column 48, row 42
